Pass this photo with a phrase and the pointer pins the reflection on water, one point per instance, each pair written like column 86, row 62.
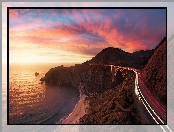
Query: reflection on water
column 32, row 102
column 24, row 90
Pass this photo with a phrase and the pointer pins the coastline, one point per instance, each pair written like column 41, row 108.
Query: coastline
column 78, row 112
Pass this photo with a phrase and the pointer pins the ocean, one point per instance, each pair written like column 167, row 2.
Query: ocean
column 33, row 102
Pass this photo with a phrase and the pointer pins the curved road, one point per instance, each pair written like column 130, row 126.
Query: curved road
column 154, row 113
column 150, row 109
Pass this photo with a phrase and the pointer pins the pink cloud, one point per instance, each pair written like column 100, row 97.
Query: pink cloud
column 13, row 13
column 123, row 35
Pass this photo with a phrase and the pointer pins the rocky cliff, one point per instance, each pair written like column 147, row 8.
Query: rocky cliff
column 154, row 73
column 88, row 78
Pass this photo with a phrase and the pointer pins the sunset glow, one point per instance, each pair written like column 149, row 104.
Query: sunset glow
column 77, row 35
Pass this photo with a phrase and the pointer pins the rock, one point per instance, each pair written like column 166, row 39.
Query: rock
column 36, row 73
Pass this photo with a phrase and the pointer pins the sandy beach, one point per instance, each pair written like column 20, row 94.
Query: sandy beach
column 78, row 112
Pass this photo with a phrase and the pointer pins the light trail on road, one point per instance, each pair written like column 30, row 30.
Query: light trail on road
column 143, row 100
column 159, row 109
column 163, row 127
column 155, row 110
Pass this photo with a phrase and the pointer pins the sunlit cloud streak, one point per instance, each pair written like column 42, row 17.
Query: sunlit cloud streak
column 88, row 31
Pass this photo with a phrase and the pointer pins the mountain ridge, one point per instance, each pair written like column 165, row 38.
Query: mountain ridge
column 117, row 56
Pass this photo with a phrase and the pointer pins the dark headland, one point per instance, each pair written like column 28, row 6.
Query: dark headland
column 110, row 97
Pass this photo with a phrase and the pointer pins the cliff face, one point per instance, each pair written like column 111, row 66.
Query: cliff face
column 88, row 78
column 154, row 73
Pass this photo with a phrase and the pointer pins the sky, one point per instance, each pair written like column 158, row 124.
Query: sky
column 77, row 35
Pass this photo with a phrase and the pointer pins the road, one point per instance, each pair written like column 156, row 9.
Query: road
column 151, row 110
column 154, row 111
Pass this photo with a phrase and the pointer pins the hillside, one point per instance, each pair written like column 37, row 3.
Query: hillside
column 114, row 106
column 119, row 57
column 87, row 78
column 154, row 73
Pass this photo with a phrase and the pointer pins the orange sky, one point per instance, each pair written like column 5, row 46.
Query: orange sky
column 74, row 36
